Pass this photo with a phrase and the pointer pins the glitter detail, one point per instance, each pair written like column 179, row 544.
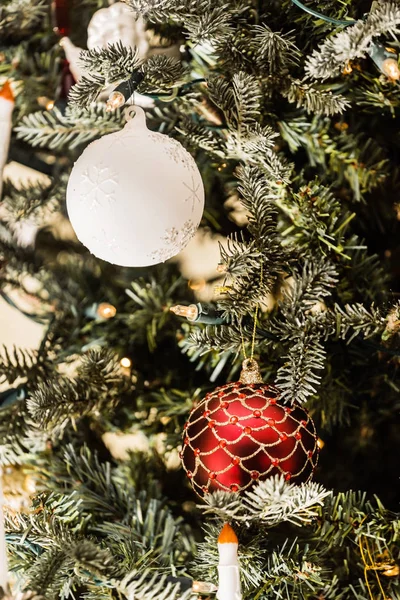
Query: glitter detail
column 250, row 372
column 174, row 240
column 174, row 150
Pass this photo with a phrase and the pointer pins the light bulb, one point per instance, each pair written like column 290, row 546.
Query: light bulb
column 125, row 362
column 115, row 100
column 203, row 587
column 196, row 284
column 391, row 69
column 221, row 268
column 106, row 310
column 347, row 69
column 190, row 312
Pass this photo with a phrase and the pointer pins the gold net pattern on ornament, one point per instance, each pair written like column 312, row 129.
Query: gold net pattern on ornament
column 241, row 433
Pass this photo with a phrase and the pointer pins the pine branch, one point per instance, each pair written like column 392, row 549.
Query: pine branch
column 19, row 17
column 30, row 201
column 270, row 502
column 161, row 74
column 239, row 100
column 200, row 136
column 298, row 378
column 151, row 586
column 315, row 100
column 114, row 63
column 60, row 400
column 86, row 91
column 275, row 51
column 53, row 129
column 23, row 363
column 274, row 501
column 19, row 436
column 354, row 319
column 353, row 42
column 315, row 282
column 211, row 25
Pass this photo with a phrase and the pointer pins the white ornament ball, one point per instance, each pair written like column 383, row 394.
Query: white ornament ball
column 135, row 198
column 117, row 23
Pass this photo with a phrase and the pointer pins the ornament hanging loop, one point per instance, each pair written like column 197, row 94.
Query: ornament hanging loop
column 135, row 116
column 250, row 372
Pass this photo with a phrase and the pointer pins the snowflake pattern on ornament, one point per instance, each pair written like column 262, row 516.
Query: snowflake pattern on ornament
column 103, row 239
column 98, row 185
column 174, row 241
column 193, row 195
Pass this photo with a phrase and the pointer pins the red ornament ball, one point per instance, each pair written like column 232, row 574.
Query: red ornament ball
column 240, row 434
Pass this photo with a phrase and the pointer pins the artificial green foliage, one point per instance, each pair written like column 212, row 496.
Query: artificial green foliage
column 289, row 119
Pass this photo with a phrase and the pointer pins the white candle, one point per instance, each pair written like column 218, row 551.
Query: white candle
column 228, row 566
column 6, row 109
column 3, row 550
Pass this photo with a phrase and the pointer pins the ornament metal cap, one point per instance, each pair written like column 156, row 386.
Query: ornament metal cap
column 250, row 372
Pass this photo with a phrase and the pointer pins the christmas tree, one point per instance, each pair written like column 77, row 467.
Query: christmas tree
column 291, row 113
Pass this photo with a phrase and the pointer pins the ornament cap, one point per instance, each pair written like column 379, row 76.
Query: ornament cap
column 250, row 372
column 135, row 117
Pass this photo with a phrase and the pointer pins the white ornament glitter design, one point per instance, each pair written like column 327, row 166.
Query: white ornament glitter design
column 98, row 185
column 174, row 241
column 175, row 151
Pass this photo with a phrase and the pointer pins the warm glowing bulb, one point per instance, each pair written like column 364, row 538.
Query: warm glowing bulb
column 115, row 100
column 197, row 284
column 347, row 69
column 190, row 312
column 391, row 69
column 203, row 587
column 320, row 443
column 106, row 311
column 125, row 362
column 50, row 105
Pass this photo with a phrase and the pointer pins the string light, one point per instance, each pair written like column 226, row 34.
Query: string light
column 106, row 310
column 320, row 443
column 196, row 284
column 221, row 268
column 347, row 69
column 391, row 69
column 115, row 100
column 125, row 362
column 190, row 312
column 200, row 313
column 204, row 587
column 50, row 105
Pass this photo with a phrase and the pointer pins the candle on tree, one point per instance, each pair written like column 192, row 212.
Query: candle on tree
column 6, row 109
column 228, row 566
column 3, row 548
